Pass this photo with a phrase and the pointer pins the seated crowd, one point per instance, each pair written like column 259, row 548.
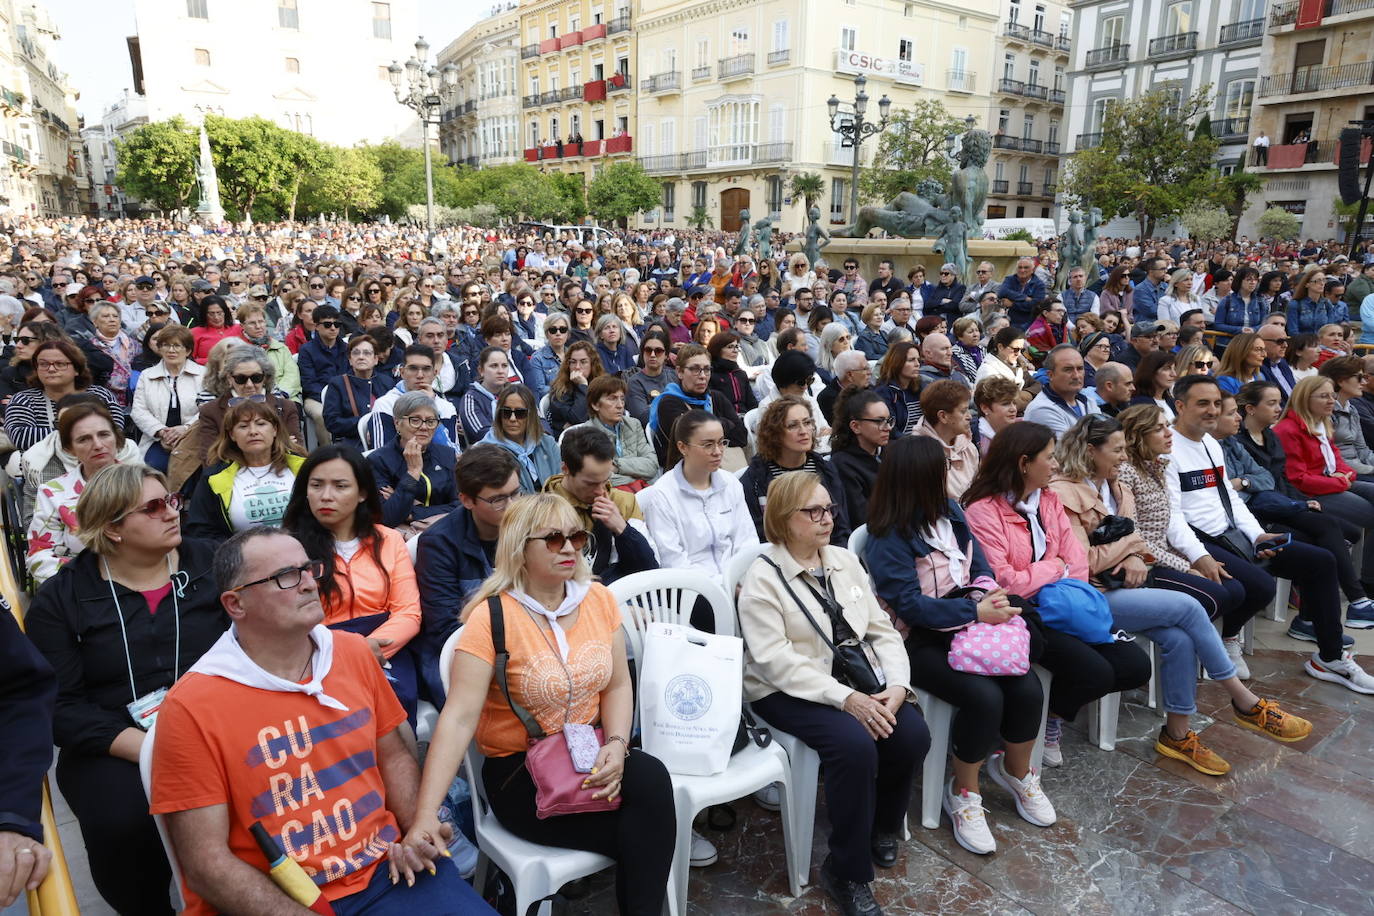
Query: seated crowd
column 333, row 477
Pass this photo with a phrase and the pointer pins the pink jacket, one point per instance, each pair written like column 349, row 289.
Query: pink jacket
column 1006, row 541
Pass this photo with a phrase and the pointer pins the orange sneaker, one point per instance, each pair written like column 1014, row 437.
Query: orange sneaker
column 1268, row 718
column 1193, row 752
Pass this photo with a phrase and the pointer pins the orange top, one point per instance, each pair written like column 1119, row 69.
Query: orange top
column 366, row 588
column 535, row 672
column 307, row 772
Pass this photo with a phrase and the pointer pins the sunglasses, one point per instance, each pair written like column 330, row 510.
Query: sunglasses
column 583, row 311
column 653, row 351
column 317, row 286
column 259, row 298
column 156, row 506
column 555, row 541
column 513, row 413
column 255, row 378
column 156, row 313
column 25, row 339
column 327, row 324
column 746, row 321
column 1201, row 363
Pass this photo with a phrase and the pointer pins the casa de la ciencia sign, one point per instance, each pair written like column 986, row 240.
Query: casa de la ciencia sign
column 893, row 68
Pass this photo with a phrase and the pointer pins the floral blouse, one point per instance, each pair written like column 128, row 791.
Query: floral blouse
column 1152, row 512
column 52, row 531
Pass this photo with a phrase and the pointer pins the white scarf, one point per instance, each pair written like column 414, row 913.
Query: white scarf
column 572, row 597
column 1031, row 509
column 941, row 537
column 227, row 659
column 1328, row 456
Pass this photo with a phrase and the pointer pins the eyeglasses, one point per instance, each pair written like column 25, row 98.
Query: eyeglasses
column 91, row 300
column 795, row 425
column 49, row 365
column 388, row 282
column 417, row 368
column 1017, row 349
column 326, row 324
column 156, row 313
column 260, row 298
column 155, row 506
column 317, row 286
column 231, row 283
column 256, row 378
column 355, row 298
column 653, row 351
column 583, row 311
column 743, row 320
column 555, row 541
column 881, row 422
column 513, row 413
column 172, row 345
column 1201, row 363
column 287, row 578
column 697, row 369
column 143, row 286
column 818, row 513
column 422, row 422
column 500, row 501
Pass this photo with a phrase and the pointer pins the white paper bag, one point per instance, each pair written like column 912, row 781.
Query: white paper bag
column 691, row 687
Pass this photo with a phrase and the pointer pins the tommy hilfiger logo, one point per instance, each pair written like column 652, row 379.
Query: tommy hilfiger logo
column 1199, row 479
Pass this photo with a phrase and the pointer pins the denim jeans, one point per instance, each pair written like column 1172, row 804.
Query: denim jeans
column 1179, row 626
column 442, row 892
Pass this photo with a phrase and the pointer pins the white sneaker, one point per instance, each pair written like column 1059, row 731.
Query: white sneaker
column 769, row 797
column 1031, row 802
column 965, row 812
column 1053, row 756
column 1054, row 736
column 1233, row 652
column 1343, row 671
column 703, row 851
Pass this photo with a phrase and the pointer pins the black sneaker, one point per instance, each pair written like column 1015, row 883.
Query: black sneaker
column 854, row 898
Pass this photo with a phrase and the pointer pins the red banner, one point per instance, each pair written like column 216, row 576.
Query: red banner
column 1310, row 13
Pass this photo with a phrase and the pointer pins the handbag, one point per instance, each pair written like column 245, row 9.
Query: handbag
column 1232, row 539
column 557, row 786
column 992, row 649
column 854, row 663
column 1074, row 607
column 1111, row 529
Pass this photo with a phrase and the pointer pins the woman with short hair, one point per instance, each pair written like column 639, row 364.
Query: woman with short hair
column 60, row 369
column 416, row 474
column 249, row 476
column 726, row 375
column 110, row 352
column 165, row 401
column 786, row 441
column 635, row 466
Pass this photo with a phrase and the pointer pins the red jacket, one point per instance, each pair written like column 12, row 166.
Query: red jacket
column 1006, row 541
column 1306, row 467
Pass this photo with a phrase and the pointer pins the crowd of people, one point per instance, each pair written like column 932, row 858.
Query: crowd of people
column 267, row 472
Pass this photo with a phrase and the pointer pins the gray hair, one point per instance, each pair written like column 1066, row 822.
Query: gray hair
column 228, row 563
column 431, row 320
column 257, row 355
column 100, row 307
column 411, row 401
column 848, row 361
column 603, row 320
column 444, row 307
column 832, row 332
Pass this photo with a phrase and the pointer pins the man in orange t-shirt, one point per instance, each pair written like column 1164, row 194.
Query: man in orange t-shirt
column 293, row 726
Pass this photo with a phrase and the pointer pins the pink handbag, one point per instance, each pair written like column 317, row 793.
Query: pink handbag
column 992, row 649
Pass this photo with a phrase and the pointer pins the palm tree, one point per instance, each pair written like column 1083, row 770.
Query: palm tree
column 809, row 186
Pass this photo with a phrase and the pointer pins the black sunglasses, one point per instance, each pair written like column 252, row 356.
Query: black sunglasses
column 256, row 378
column 327, row 324
column 514, row 413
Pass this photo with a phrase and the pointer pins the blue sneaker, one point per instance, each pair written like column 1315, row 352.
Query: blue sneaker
column 1303, row 629
column 1360, row 615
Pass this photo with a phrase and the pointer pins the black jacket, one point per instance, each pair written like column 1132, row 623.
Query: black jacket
column 435, row 493
column 670, row 408
column 1271, row 457
column 755, row 481
column 858, row 471
column 72, row 622
column 729, row 379
column 28, row 690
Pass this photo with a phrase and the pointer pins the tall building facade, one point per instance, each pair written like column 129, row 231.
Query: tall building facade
column 1028, row 84
column 1317, row 76
column 482, row 126
column 576, row 77
column 1124, row 48
column 126, row 114
column 314, row 66
column 732, row 94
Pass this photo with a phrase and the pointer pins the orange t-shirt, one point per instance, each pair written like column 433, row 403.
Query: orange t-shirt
column 535, row 673
column 307, row 772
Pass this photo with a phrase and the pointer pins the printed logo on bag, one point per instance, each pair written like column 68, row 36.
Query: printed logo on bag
column 688, row 696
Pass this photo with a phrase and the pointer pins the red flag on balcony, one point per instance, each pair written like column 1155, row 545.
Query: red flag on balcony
column 1310, row 13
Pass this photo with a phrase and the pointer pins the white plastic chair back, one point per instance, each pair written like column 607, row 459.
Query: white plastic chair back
column 145, row 771
column 738, row 567
column 858, row 540
column 667, row 595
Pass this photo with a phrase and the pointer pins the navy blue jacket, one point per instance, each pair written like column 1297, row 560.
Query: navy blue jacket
column 755, row 481
column 339, row 417
column 1023, row 298
column 435, row 493
column 319, row 364
column 28, row 693
column 614, row 363
column 449, row 565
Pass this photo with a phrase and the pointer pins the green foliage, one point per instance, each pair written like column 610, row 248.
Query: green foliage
column 700, row 217
column 1278, row 224
column 1204, row 127
column 1146, row 166
column 620, row 191
column 910, row 150
column 1019, row 235
column 346, row 181
column 157, row 164
column 521, row 191
column 476, row 215
column 403, row 179
column 253, row 157
column 1346, row 215
column 1207, row 224
column 806, row 186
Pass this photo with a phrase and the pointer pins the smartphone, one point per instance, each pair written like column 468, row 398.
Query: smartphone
column 1280, row 543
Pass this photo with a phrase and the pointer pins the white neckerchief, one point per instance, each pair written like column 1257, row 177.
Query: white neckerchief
column 572, row 597
column 227, row 659
column 1105, row 491
column 941, row 537
column 1328, row 455
column 1031, row 509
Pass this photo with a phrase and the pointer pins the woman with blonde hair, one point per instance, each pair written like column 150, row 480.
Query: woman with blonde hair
column 799, row 272
column 1315, row 464
column 1195, row 359
column 1181, row 296
column 556, row 626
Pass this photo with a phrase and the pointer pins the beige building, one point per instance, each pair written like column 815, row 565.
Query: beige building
column 1026, row 119
column 732, row 94
column 576, row 59
column 1316, row 75
column 482, row 127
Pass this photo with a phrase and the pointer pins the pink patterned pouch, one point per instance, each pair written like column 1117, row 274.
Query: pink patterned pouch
column 993, row 649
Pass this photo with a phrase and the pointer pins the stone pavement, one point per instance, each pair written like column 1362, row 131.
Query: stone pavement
column 1290, row 830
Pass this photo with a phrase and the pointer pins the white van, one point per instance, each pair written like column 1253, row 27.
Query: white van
column 1038, row 227
column 584, row 235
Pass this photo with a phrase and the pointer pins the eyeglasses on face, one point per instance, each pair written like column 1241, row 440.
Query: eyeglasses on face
column 500, row 501
column 54, row 365
column 818, row 513
column 555, row 331
column 417, row 369
column 422, row 422
column 698, row 369
column 327, row 324
column 554, row 542
column 795, row 425
column 25, row 339
column 287, row 578
column 513, row 413
column 880, row 422
column 317, row 286
column 155, row 506
column 255, row 378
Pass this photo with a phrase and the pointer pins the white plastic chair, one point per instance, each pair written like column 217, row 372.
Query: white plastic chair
column 538, row 872
column 668, row 595
column 145, row 771
column 1278, row 608
column 858, row 540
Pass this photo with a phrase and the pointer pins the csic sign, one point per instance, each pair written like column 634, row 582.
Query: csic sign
column 895, row 69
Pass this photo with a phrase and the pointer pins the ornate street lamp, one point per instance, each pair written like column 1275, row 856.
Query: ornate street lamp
column 849, row 123
column 426, row 91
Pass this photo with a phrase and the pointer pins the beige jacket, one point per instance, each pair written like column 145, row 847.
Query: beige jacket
column 784, row 654
column 1086, row 510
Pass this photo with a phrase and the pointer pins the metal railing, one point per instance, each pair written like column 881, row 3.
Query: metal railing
column 1056, row 96
column 701, row 73
column 1025, row 187
column 1017, row 31
column 1233, row 127
column 1108, row 56
column 1005, row 141
column 1338, row 7
column 1063, row 43
column 1032, row 146
column 1041, row 37
column 529, row 101
column 1181, row 43
column 661, row 82
column 773, row 152
column 619, row 24
column 570, row 93
column 548, row 97
column 734, row 154
column 1052, row 147
column 1047, row 190
column 960, row 80
column 1000, row 185
column 1088, row 141
column 528, row 51
column 1318, row 79
column 739, row 65
column 666, row 163
column 1011, row 86
column 1240, row 32
column 779, row 57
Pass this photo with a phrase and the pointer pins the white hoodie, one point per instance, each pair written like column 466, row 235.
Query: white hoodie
column 697, row 529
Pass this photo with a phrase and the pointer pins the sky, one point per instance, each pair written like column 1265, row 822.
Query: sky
column 94, row 53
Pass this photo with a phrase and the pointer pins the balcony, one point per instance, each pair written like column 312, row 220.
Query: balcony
column 1008, row 86
column 619, row 24
column 1063, row 44
column 619, row 145
column 1088, row 141
column 733, row 68
column 1318, row 79
column 1283, row 14
column 1324, row 154
column 778, row 58
column 548, row 46
column 1032, row 146
column 662, row 82
column 570, row 40
column 666, row 163
column 1251, row 31
column 1340, row 7
column 1000, row 185
column 1051, row 147
column 471, row 162
column 1047, row 190
column 701, row 73
column 469, row 107
column 549, row 97
column 732, row 156
column 1019, row 144
column 592, row 147
column 528, row 51
column 1173, row 45
column 618, row 82
column 532, row 154
column 1042, row 38
column 1232, row 128
column 570, row 94
column 960, row 80
column 594, row 32
column 529, row 101
column 1110, row 56
column 1025, row 188
column 594, row 91
column 1016, row 32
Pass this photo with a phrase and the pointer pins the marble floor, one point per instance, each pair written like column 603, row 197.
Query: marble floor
column 1290, row 830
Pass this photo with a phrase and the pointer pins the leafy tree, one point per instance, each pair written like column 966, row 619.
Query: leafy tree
column 1204, row 127
column 1147, row 165
column 700, row 217
column 571, row 189
column 519, row 190
column 1231, row 191
column 620, row 191
column 1207, row 224
column 1019, row 235
column 1346, row 215
column 304, row 156
column 806, row 186
column 1278, row 224
column 253, row 157
column 345, row 180
column 910, row 150
column 403, row 179
column 157, row 164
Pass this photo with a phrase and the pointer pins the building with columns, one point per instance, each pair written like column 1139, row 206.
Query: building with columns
column 482, row 127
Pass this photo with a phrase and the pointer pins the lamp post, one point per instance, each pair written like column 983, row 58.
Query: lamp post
column 953, row 142
column 427, row 88
column 856, row 129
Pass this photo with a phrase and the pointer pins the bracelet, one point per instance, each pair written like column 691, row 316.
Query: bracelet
column 621, row 740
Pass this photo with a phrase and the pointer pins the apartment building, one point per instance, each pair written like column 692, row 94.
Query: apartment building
column 1317, row 76
column 482, row 126
column 121, row 117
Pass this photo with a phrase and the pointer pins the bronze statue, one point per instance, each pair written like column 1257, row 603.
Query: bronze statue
column 742, row 245
column 1088, row 257
column 954, row 243
column 968, row 188
column 1070, row 249
column 816, row 237
column 763, row 237
column 909, row 216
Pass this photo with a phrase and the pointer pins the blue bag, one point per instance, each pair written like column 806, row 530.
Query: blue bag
column 1073, row 606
